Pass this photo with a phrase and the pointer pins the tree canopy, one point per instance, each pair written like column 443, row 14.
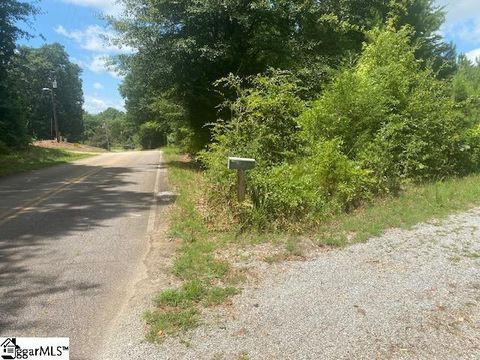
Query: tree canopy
column 26, row 111
column 184, row 46
column 12, row 123
column 36, row 69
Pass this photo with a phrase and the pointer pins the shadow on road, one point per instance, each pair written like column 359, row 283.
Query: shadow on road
column 34, row 252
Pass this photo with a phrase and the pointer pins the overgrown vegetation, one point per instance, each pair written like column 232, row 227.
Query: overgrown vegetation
column 384, row 122
column 109, row 129
column 32, row 157
column 206, row 280
column 360, row 118
column 185, row 46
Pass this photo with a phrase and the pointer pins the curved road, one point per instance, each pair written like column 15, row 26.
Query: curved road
column 72, row 242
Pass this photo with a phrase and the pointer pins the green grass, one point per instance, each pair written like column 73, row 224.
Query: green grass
column 164, row 323
column 209, row 281
column 415, row 205
column 34, row 158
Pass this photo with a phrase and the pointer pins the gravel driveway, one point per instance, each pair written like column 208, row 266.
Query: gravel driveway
column 405, row 295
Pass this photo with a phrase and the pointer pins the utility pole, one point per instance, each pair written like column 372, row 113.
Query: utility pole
column 106, row 134
column 54, row 109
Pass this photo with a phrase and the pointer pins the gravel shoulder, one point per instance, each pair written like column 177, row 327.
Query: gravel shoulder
column 409, row 294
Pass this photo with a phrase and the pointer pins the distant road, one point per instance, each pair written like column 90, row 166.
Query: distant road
column 72, row 242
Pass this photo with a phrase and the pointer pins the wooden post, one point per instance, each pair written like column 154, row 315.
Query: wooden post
column 241, row 185
column 241, row 165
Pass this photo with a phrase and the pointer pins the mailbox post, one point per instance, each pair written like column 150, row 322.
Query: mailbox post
column 241, row 165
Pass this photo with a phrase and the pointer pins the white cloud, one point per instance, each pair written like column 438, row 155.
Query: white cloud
column 72, row 35
column 94, row 38
column 462, row 23
column 99, row 65
column 459, row 10
column 97, row 86
column 108, row 7
column 473, row 55
column 95, row 104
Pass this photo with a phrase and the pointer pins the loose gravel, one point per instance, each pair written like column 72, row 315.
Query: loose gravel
column 409, row 294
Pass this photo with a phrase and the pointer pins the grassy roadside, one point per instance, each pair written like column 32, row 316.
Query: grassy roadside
column 415, row 205
column 34, row 158
column 209, row 281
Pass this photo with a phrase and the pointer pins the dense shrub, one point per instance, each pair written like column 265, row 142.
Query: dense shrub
column 317, row 185
column 263, row 126
column 384, row 121
column 393, row 116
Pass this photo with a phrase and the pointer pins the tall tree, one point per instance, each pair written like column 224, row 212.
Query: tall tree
column 37, row 69
column 12, row 125
column 184, row 46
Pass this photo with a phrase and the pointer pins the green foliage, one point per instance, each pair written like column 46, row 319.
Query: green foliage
column 109, row 128
column 263, row 119
column 466, row 93
column 12, row 118
column 193, row 292
column 263, row 126
column 382, row 122
column 12, row 14
column 317, row 185
column 36, row 69
column 466, row 82
column 167, row 323
column 151, row 136
column 185, row 46
column 392, row 116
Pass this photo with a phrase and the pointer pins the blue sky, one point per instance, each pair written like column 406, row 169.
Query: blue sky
column 462, row 25
column 78, row 25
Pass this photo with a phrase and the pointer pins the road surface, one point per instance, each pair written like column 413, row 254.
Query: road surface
column 72, row 243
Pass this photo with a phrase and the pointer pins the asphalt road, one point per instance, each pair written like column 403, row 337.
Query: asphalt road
column 72, row 243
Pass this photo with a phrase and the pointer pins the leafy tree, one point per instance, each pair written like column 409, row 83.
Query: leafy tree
column 12, row 122
column 110, row 127
column 37, row 69
column 425, row 19
column 185, row 46
column 466, row 82
column 391, row 115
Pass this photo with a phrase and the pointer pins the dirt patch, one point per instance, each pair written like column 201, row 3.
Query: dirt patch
column 52, row 144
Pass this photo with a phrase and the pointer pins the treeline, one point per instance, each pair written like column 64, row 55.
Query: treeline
column 109, row 129
column 112, row 128
column 25, row 109
column 339, row 101
column 184, row 47
column 383, row 123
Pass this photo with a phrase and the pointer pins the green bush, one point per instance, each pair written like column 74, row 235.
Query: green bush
column 264, row 118
column 263, row 126
column 321, row 183
column 382, row 122
column 392, row 116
